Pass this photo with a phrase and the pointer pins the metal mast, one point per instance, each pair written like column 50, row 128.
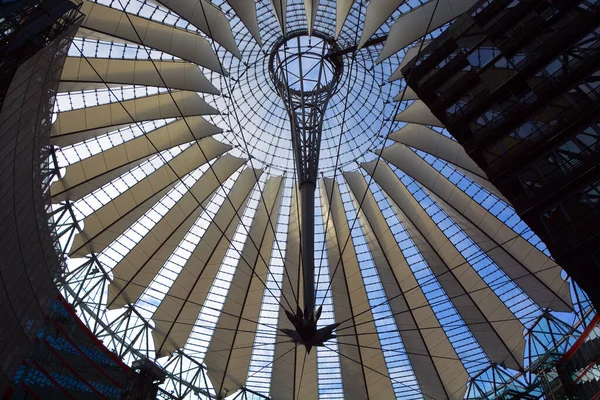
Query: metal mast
column 306, row 71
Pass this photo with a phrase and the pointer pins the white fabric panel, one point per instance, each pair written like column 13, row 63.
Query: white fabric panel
column 534, row 272
column 546, row 288
column 246, row 11
column 439, row 371
column 146, row 258
column 408, row 55
column 207, row 18
column 364, row 371
column 280, row 10
column 342, row 9
column 203, row 127
column 378, row 12
column 103, row 226
column 178, row 42
column 438, row 145
column 83, row 74
column 288, row 380
column 497, row 330
column 229, row 352
column 82, row 177
column 73, row 138
column 411, row 26
column 146, row 108
column 419, row 113
column 405, row 95
column 179, row 310
column 291, row 287
column 311, row 7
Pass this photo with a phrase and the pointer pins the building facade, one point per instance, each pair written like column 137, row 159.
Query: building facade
column 45, row 350
column 68, row 361
column 517, row 84
column 34, row 39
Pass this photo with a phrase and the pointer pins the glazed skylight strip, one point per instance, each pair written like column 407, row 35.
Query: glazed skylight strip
column 511, row 295
column 91, row 48
column 259, row 373
column 486, row 199
column 117, row 250
column 329, row 372
column 69, row 101
column 458, row 333
column 160, row 285
column 98, row 198
column 203, row 329
column 399, row 367
column 80, row 151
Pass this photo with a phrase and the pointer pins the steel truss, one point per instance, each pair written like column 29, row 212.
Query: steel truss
column 547, row 339
column 125, row 332
column 128, row 334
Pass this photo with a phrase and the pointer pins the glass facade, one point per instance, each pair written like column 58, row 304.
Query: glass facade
column 517, row 84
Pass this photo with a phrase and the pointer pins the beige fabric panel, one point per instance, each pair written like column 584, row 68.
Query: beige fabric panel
column 438, row 145
column 82, row 177
column 419, row 113
column 283, row 380
column 146, row 108
column 378, row 12
column 408, row 56
column 246, row 11
column 230, row 350
column 364, row 371
column 103, row 226
column 285, row 358
column 207, row 18
column 555, row 296
column 293, row 260
column 148, row 256
column 405, row 95
column 176, row 75
column 430, row 141
column 342, row 9
column 178, row 42
column 280, row 11
column 534, row 272
column 439, row 371
column 307, row 384
column 311, row 7
column 484, row 183
column 179, row 310
column 494, row 326
column 291, row 370
column 73, row 138
column 284, row 384
column 61, row 190
column 412, row 25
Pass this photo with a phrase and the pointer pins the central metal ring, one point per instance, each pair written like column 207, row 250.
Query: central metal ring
column 306, row 64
